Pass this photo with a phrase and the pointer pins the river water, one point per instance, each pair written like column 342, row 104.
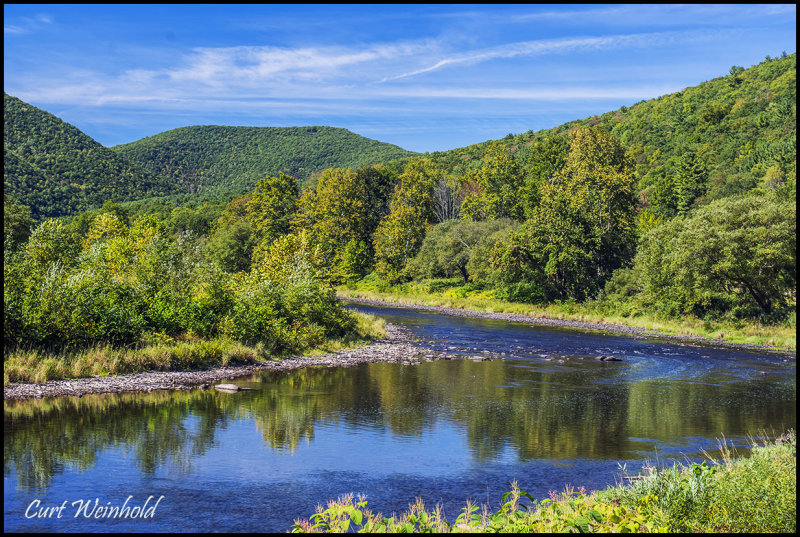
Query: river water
column 544, row 412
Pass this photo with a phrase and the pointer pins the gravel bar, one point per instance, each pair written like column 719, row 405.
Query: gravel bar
column 396, row 347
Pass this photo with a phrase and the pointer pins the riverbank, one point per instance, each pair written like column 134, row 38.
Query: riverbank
column 732, row 495
column 396, row 346
column 526, row 313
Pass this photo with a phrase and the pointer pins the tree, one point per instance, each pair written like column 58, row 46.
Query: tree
column 232, row 240
column 448, row 248
column 17, row 224
column 399, row 235
column 336, row 212
column 231, row 246
column 272, row 206
column 733, row 254
column 547, row 157
column 584, row 227
column 447, row 198
column 499, row 179
column 690, row 180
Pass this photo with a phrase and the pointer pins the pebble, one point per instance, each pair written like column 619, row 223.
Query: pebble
column 396, row 347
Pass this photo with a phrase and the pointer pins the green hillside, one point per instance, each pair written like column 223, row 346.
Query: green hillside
column 56, row 169
column 739, row 130
column 232, row 159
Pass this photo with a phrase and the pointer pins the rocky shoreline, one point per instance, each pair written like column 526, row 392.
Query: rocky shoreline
column 633, row 331
column 396, row 347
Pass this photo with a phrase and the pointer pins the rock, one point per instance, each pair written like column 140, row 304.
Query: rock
column 227, row 387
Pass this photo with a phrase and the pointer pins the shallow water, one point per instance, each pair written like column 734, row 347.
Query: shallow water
column 544, row 412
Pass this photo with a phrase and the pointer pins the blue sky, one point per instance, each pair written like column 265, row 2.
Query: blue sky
column 424, row 77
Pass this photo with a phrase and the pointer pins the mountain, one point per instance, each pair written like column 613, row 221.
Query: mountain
column 739, row 130
column 55, row 169
column 219, row 159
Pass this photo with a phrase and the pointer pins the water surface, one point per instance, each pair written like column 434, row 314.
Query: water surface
column 544, row 412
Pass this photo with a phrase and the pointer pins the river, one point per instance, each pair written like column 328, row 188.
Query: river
column 544, row 411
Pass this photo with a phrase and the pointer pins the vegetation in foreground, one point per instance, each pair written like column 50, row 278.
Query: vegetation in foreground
column 754, row 494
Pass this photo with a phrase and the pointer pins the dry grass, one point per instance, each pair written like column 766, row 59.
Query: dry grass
column 161, row 353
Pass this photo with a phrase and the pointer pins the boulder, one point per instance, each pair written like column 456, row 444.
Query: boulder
column 227, row 388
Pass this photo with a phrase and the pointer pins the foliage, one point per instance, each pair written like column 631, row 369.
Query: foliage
column 232, row 159
column 55, row 169
column 17, row 224
column 289, row 258
column 750, row 495
column 734, row 255
column 399, row 235
column 546, row 157
column 449, row 248
column 336, row 212
column 498, row 181
column 741, row 129
column 121, row 284
column 582, row 230
column 272, row 206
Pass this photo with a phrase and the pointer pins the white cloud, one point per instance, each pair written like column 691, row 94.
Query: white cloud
column 26, row 25
column 556, row 93
column 540, row 47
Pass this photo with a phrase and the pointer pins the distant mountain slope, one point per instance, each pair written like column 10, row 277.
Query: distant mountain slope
column 232, row 159
column 741, row 129
column 56, row 169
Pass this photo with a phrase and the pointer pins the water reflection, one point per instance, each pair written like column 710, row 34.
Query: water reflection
column 546, row 412
column 498, row 405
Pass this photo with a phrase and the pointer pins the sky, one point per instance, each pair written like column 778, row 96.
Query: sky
column 424, row 77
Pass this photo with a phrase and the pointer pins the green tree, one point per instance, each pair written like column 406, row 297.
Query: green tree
column 547, row 157
column 232, row 245
column 690, row 180
column 584, row 227
column 448, row 248
column 335, row 212
column 17, row 224
column 272, row 206
column 735, row 254
column 399, row 235
column 499, row 179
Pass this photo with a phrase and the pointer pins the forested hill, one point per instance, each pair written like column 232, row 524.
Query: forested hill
column 739, row 131
column 55, row 169
column 231, row 160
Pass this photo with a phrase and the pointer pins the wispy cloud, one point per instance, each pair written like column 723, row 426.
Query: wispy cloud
column 254, row 65
column 26, row 25
column 555, row 93
column 654, row 15
column 263, row 74
column 533, row 48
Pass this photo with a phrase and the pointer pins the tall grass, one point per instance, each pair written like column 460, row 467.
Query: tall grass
column 753, row 494
column 158, row 352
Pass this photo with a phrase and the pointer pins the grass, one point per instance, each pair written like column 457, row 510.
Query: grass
column 466, row 297
column 158, row 352
column 754, row 494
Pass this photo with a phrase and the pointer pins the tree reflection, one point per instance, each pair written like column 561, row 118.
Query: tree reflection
column 582, row 410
